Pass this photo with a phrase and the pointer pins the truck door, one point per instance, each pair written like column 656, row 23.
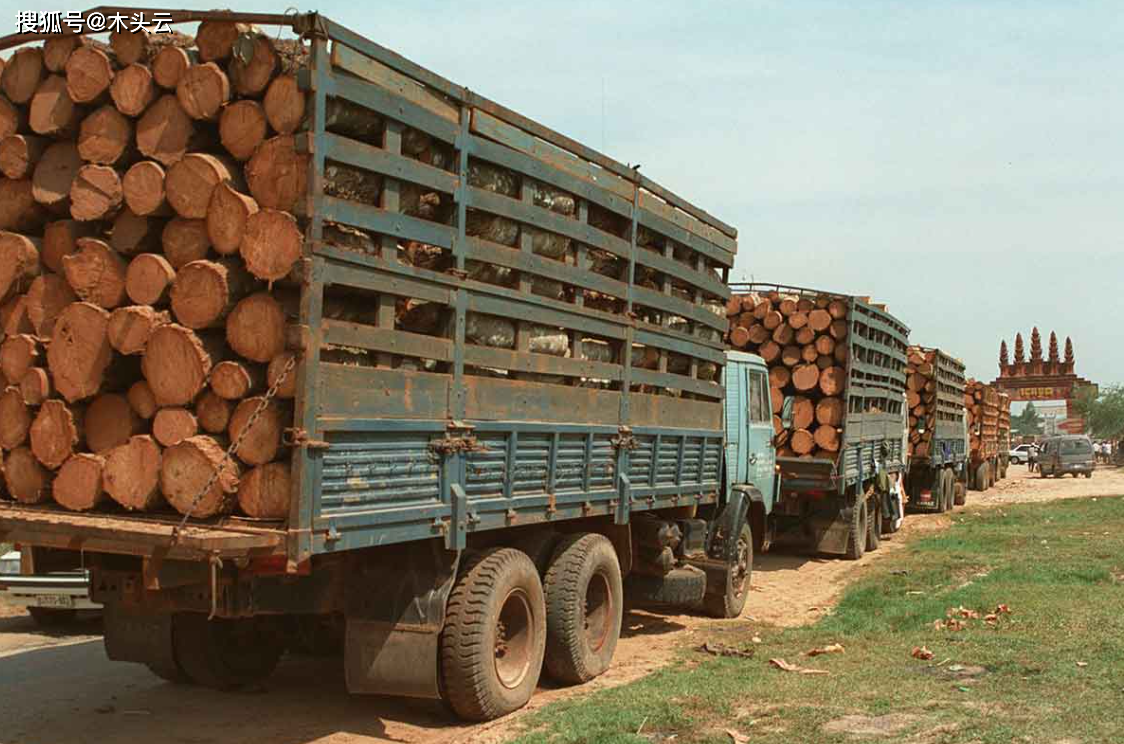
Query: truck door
column 761, row 456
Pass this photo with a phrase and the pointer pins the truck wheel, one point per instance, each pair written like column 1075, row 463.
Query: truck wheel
column 959, row 494
column 679, row 587
column 856, row 541
column 47, row 617
column 224, row 654
column 982, row 477
column 729, row 600
column 495, row 635
column 873, row 525
column 948, row 490
column 584, row 606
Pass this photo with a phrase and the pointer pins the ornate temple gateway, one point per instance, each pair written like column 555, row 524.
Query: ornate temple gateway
column 1037, row 379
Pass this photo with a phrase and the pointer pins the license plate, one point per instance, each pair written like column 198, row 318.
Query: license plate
column 55, row 600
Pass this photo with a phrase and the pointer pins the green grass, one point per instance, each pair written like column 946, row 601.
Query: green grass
column 1060, row 569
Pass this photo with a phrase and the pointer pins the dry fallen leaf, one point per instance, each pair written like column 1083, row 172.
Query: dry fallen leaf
column 1083, row 664
column 991, row 619
column 785, row 666
column 963, row 612
column 922, row 652
column 834, row 648
column 737, row 737
column 949, row 624
column 1002, row 610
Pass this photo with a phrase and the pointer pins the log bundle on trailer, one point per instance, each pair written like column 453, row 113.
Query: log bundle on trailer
column 935, row 396
column 1004, row 443
column 981, row 401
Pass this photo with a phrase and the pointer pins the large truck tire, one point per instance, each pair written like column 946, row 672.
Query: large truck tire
column 728, row 601
column 856, row 540
column 959, row 494
column 680, row 587
column 223, row 654
column 873, row 525
column 584, row 608
column 981, row 477
column 495, row 635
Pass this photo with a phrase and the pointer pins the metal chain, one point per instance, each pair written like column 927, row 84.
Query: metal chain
column 233, row 448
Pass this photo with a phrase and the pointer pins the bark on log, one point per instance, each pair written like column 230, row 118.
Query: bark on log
column 141, row 399
column 802, row 442
column 143, row 186
column 105, row 136
column 276, row 174
column 227, row 215
column 28, row 481
column 191, row 181
column 186, row 469
column 185, row 241
column 165, row 131
column 35, row 386
column 840, row 354
column 829, row 412
column 13, row 118
column 271, row 244
column 133, row 90
column 132, row 474
column 130, row 327
column 148, row 279
column 133, row 233
column 203, row 90
column 60, row 239
column 19, row 262
column 54, row 175
column 242, row 127
column 204, row 292
column 56, row 433
column 52, row 113
column 790, row 356
column 19, row 153
column 215, row 39
column 255, row 328
column 169, row 65
column 838, row 329
column 264, row 492
column 827, row 438
column 22, row 73
column 250, row 77
column 96, row 273
column 262, row 442
column 129, row 47
column 18, row 210
column 213, row 412
column 95, row 193
column 805, row 377
column 803, row 412
column 284, row 104
column 288, row 386
column 13, row 316
column 173, row 425
column 57, row 49
column 776, row 399
column 89, row 74
column 15, row 419
column 234, row 380
column 18, row 354
column 110, row 422
column 79, row 352
column 176, row 363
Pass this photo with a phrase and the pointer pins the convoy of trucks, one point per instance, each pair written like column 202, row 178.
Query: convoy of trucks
column 470, row 503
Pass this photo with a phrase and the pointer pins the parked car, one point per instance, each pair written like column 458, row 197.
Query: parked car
column 51, row 597
column 1071, row 453
column 1022, row 454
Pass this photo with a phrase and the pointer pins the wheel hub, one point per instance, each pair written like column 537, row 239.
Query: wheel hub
column 599, row 611
column 514, row 639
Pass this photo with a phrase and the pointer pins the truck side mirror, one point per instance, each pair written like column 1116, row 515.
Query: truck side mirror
column 786, row 411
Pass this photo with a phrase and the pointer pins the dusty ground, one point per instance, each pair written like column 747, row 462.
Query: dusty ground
column 59, row 687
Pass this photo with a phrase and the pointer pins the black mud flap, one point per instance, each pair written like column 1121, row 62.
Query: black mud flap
column 140, row 636
column 829, row 531
column 721, row 541
column 396, row 610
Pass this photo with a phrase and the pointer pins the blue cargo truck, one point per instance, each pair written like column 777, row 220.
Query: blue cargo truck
column 472, row 507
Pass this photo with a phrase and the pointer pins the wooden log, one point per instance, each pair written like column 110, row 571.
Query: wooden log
column 191, row 181
column 13, row 316
column 276, row 174
column 185, row 241
column 176, row 363
column 242, row 128
column 762, row 308
column 185, row 471
column 96, row 273
column 60, row 239
column 804, row 336
column 133, row 234
column 110, row 421
column 787, row 306
column 837, row 309
column 778, row 426
column 264, row 492
column 18, row 354
column 758, row 334
column 132, row 90
column 790, row 356
column 780, row 377
column 89, row 74
column 165, row 131
column 56, row 433
column 105, row 136
column 35, row 386
column 15, row 419
column 287, row 388
column 132, row 474
column 805, row 377
column 783, row 334
column 825, row 345
column 141, row 399
column 802, row 442
column 827, row 438
column 255, row 328
column 805, row 305
column 913, row 398
column 129, row 47
column 57, row 49
column 770, row 351
column 213, row 412
column 203, row 90
column 169, row 65
column 13, row 118
column 234, row 380
column 832, row 381
column 840, row 354
column 79, row 353
column 915, row 382
column 262, row 441
column 143, row 188
column 809, row 354
column 819, row 320
column 148, row 279
column 803, row 412
column 251, row 75
column 829, row 411
column 204, row 292
column 131, row 326
column 772, row 320
column 284, row 104
column 173, row 425
column 19, row 262
column 776, row 399
column 734, row 306
column 19, row 153
column 95, row 193
column 838, row 329
column 215, row 39
column 798, row 320
column 28, row 482
column 54, row 176
column 227, row 217
column 739, row 337
column 22, row 73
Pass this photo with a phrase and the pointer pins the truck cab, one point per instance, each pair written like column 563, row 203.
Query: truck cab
column 751, row 459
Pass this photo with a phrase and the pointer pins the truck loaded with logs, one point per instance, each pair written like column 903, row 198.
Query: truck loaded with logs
column 303, row 343
column 982, row 405
column 838, row 380
column 938, row 432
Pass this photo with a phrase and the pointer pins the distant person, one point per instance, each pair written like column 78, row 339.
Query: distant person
column 1032, row 458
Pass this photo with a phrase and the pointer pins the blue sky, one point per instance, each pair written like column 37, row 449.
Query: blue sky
column 961, row 161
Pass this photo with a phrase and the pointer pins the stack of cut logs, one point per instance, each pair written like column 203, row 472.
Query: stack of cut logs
column 148, row 239
column 803, row 340
column 981, row 404
column 921, row 395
